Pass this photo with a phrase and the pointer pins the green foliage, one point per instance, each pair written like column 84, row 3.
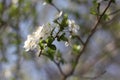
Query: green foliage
column 1, row 7
column 52, row 46
column 113, row 1
column 52, row 31
column 49, row 1
column 50, row 40
column 59, row 57
column 106, row 17
column 76, row 48
column 64, row 22
column 62, row 37
column 42, row 44
column 14, row 11
column 25, row 10
column 50, row 53
column 93, row 9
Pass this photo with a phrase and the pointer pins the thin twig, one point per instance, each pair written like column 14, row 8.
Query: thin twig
column 59, row 67
column 55, row 7
column 40, row 53
column 98, row 10
column 114, row 12
column 80, row 40
column 95, row 77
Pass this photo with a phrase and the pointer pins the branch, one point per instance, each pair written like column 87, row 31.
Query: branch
column 114, row 12
column 59, row 67
column 55, row 7
column 88, row 39
column 95, row 77
column 40, row 53
column 98, row 10
column 79, row 38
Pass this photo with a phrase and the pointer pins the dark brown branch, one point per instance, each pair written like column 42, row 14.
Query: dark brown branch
column 55, row 7
column 88, row 39
column 80, row 40
column 40, row 53
column 59, row 67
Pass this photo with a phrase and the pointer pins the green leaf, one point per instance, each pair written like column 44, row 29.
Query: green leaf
column 59, row 57
column 63, row 38
column 113, row 1
column 41, row 44
column 49, row 40
column 49, row 1
column 1, row 7
column 94, row 2
column 106, row 17
column 62, row 61
column 74, row 64
column 76, row 48
column 52, row 46
column 50, row 53
column 14, row 11
column 93, row 11
column 52, row 31
column 64, row 22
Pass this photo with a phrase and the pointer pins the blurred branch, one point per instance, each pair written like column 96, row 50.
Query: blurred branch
column 112, row 13
column 88, row 39
column 80, row 40
column 59, row 67
column 55, row 7
column 95, row 77
column 98, row 10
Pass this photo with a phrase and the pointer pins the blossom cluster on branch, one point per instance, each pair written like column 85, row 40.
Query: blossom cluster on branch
column 51, row 30
column 63, row 29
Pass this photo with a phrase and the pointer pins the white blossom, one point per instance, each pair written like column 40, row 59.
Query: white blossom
column 44, row 3
column 30, row 43
column 99, row 1
column 15, row 1
column 66, row 44
column 42, row 32
column 73, row 27
column 60, row 14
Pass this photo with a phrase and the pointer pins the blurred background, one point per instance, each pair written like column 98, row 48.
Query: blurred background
column 18, row 18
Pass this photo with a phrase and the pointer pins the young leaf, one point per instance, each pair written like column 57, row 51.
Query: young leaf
column 50, row 53
column 41, row 43
column 92, row 11
column 76, row 48
column 64, row 22
column 50, row 40
column 63, row 38
column 52, row 46
column 113, row 1
column 49, row 1
column 106, row 17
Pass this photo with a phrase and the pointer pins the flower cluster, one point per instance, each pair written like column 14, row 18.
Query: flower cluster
column 49, row 33
column 73, row 27
column 42, row 32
